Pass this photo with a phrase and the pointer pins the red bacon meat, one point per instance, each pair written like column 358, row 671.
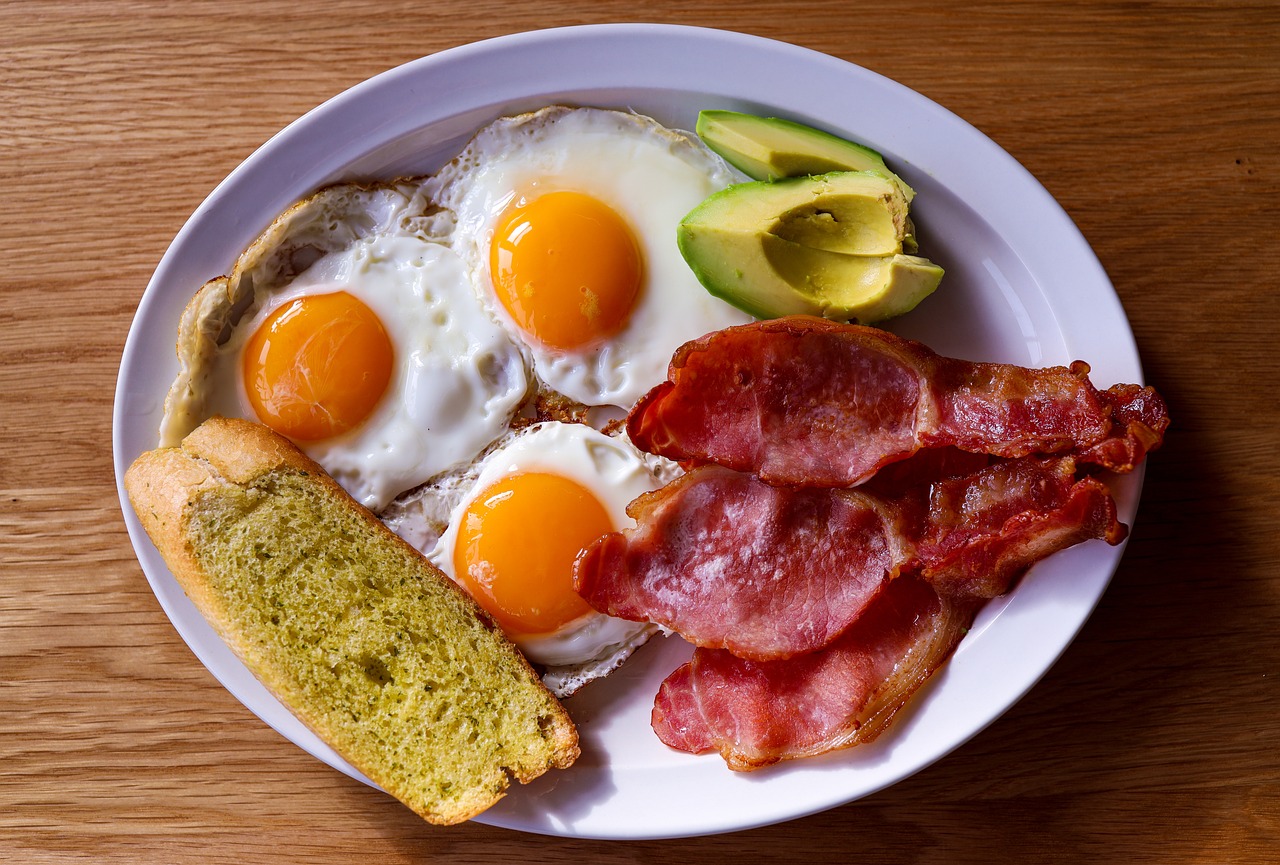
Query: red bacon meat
column 978, row 533
column 730, row 562
column 766, row 572
column 756, row 713
column 803, row 401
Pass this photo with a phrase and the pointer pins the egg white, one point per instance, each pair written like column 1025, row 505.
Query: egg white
column 457, row 377
column 615, row 472
column 651, row 176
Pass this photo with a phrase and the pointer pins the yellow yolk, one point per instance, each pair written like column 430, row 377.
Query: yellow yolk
column 317, row 366
column 517, row 542
column 566, row 267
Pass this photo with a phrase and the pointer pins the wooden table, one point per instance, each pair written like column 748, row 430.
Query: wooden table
column 1155, row 739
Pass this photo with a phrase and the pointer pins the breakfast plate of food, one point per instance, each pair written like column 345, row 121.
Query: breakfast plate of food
column 630, row 431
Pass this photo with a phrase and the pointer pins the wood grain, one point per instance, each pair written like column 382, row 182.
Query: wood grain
column 1155, row 739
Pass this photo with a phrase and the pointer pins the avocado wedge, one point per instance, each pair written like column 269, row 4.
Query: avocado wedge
column 767, row 148
column 854, row 212
column 833, row 245
column 768, row 277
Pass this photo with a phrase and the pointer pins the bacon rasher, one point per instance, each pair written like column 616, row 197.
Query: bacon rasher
column 805, row 401
column 756, row 713
column 766, row 572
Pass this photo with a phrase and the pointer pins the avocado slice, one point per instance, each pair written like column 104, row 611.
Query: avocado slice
column 768, row 277
column 766, row 148
column 831, row 245
column 854, row 212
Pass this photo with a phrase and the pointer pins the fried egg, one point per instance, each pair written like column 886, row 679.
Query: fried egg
column 376, row 359
column 536, row 502
column 566, row 219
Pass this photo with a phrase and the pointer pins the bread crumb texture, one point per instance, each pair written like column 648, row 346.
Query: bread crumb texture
column 371, row 647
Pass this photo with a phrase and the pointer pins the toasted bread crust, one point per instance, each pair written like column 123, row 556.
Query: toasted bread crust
column 162, row 486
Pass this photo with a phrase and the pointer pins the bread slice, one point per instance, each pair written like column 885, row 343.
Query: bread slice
column 369, row 644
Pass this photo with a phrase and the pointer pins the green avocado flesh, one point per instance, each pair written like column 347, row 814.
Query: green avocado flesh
column 854, row 212
column 766, row 148
column 832, row 245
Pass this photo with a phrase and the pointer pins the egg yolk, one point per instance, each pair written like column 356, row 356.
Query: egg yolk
column 317, row 366
column 566, row 267
column 516, row 545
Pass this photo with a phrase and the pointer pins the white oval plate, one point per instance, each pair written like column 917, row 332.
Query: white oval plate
column 1022, row 286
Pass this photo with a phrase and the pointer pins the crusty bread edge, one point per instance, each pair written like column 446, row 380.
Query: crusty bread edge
column 162, row 484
